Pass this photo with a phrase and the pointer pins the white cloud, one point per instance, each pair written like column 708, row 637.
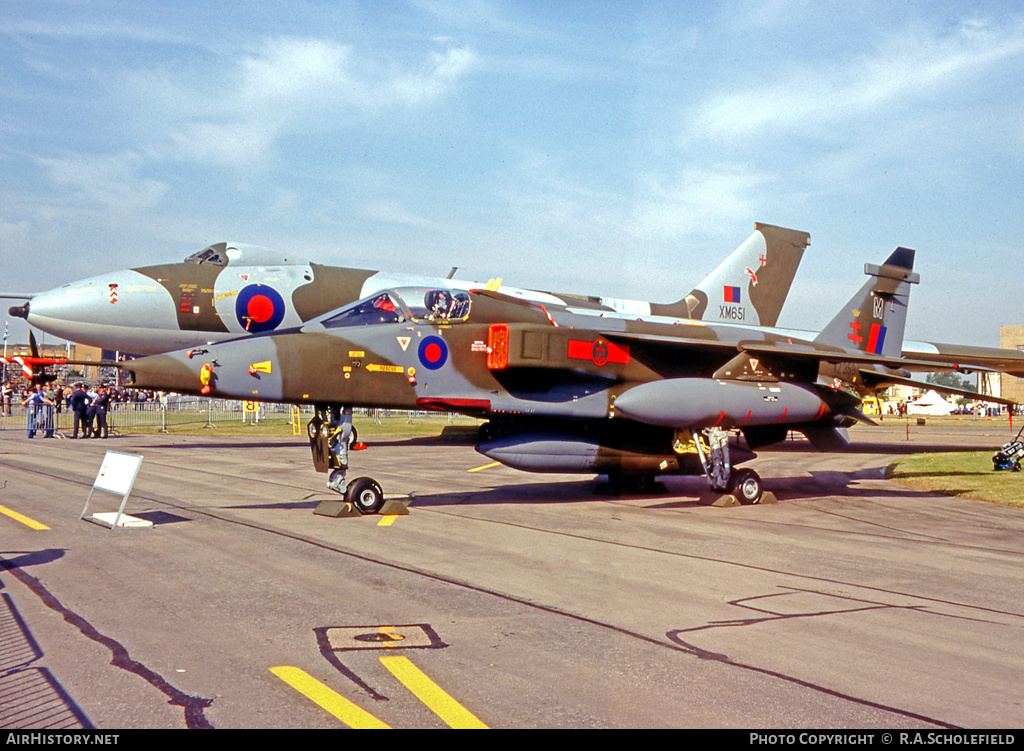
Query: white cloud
column 293, row 86
column 111, row 182
column 813, row 97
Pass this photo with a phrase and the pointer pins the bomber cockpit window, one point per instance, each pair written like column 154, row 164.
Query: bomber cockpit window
column 443, row 305
column 378, row 309
column 216, row 255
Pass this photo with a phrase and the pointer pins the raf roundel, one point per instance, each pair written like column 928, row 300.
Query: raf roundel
column 433, row 352
column 259, row 308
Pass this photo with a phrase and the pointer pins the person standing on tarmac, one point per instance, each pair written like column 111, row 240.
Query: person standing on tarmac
column 102, row 404
column 36, row 402
column 79, row 404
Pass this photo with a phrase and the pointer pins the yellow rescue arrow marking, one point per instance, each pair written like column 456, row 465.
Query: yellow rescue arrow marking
column 23, row 519
column 353, row 716
column 428, row 692
column 374, row 367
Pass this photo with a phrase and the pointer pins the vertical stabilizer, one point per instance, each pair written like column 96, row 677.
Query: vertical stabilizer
column 874, row 319
column 751, row 285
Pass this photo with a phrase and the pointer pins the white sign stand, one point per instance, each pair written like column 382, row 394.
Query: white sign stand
column 117, row 475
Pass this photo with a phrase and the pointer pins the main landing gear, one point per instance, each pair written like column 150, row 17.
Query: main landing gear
column 331, row 437
column 744, row 484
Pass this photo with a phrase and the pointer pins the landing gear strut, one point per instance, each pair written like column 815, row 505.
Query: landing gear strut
column 744, row 484
column 331, row 435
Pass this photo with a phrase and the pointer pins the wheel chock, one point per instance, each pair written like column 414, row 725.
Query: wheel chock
column 344, row 509
column 394, row 508
column 727, row 500
column 722, row 500
column 336, row 509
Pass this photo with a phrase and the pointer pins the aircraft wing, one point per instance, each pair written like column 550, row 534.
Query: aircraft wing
column 834, row 355
column 969, row 358
column 876, row 380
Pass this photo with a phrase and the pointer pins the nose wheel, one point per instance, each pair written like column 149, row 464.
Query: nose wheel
column 746, row 485
column 365, row 495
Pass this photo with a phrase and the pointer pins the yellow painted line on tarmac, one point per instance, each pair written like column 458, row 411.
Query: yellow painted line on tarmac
column 387, row 521
column 428, row 692
column 486, row 466
column 23, row 519
column 353, row 716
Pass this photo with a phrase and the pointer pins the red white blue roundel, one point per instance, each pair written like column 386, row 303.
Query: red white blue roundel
column 433, row 352
column 259, row 308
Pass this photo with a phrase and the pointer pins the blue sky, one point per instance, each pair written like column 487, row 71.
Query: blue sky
column 620, row 148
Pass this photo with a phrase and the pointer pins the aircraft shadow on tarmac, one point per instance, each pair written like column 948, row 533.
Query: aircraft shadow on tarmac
column 674, row 492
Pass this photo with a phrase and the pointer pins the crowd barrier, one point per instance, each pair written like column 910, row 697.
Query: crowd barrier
column 127, row 417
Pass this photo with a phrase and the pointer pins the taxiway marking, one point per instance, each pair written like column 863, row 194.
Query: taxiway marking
column 428, row 692
column 353, row 716
column 486, row 466
column 387, row 521
column 23, row 519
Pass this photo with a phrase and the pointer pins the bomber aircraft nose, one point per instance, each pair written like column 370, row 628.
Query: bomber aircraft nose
column 123, row 310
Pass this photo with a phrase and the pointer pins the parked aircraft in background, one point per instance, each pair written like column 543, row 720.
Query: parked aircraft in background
column 565, row 390
column 229, row 290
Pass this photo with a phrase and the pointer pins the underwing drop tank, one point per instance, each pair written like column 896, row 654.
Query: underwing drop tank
column 581, row 454
column 705, row 402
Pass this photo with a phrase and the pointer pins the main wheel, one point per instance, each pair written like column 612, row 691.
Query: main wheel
column 746, row 486
column 365, row 494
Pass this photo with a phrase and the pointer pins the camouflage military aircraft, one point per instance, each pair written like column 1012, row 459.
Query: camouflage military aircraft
column 229, row 290
column 565, row 390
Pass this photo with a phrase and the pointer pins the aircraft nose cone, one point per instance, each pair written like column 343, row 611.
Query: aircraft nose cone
column 18, row 311
column 113, row 311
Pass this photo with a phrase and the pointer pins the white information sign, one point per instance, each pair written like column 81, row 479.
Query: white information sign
column 117, row 475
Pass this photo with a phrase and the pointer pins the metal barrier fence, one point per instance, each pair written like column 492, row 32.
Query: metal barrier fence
column 181, row 412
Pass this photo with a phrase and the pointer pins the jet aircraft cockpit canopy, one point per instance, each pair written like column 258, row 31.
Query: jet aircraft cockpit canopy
column 418, row 304
column 239, row 254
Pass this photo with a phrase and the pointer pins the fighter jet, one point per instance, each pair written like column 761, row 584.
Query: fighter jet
column 564, row 390
column 229, row 290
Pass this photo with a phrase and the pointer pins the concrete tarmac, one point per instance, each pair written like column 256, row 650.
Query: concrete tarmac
column 503, row 599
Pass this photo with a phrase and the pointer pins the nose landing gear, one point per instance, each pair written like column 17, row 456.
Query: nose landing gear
column 331, row 436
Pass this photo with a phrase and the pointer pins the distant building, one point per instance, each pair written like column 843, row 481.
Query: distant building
column 1011, row 387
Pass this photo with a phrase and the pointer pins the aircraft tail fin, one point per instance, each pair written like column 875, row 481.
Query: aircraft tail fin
column 751, row 285
column 874, row 319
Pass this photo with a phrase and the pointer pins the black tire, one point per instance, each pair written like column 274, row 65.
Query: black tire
column 365, row 495
column 746, row 485
column 353, row 437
